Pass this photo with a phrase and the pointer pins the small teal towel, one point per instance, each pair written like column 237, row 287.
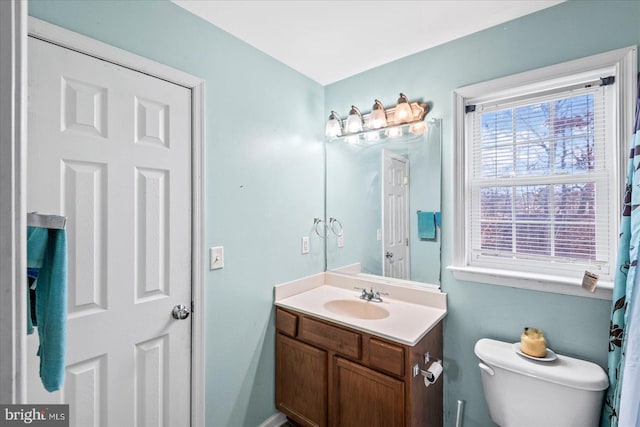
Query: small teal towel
column 47, row 264
column 426, row 225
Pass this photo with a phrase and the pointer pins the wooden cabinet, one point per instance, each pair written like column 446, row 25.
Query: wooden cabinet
column 364, row 397
column 329, row 374
column 301, row 381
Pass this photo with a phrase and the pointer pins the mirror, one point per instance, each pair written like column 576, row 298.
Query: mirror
column 369, row 201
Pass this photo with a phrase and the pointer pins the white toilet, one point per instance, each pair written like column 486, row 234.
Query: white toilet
column 522, row 392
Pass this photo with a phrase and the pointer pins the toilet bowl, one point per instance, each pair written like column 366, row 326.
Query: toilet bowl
column 521, row 392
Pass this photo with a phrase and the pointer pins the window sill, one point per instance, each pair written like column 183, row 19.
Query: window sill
column 536, row 282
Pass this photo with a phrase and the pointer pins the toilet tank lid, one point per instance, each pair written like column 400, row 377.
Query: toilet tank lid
column 565, row 370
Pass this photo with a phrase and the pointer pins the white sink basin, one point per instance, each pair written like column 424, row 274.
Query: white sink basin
column 356, row 309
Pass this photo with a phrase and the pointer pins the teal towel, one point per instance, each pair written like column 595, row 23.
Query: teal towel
column 426, row 225
column 47, row 252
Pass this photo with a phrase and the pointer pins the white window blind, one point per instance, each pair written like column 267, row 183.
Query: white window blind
column 539, row 183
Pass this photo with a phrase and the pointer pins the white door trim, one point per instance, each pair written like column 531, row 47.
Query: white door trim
column 13, row 131
column 44, row 31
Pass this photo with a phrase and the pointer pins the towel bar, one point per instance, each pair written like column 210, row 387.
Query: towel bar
column 55, row 222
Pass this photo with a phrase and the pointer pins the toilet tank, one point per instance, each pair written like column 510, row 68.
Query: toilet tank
column 522, row 392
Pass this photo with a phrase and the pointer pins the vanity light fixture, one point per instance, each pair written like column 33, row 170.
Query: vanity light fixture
column 334, row 125
column 354, row 120
column 380, row 123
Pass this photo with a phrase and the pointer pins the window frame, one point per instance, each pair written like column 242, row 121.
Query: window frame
column 622, row 64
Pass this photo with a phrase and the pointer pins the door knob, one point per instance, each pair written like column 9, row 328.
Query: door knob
column 389, row 255
column 180, row 312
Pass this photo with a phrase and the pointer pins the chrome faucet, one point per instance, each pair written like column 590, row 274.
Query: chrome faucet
column 371, row 295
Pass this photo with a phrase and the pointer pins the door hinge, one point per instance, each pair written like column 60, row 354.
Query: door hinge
column 406, row 241
column 406, row 180
column 192, row 305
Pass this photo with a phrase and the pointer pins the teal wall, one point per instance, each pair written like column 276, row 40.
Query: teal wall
column 264, row 182
column 574, row 325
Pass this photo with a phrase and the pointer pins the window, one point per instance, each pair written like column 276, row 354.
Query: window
column 540, row 182
column 541, row 159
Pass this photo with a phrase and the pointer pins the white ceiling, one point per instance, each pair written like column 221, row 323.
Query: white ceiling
column 331, row 40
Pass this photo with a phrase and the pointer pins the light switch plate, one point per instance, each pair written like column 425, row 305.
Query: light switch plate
column 379, row 234
column 216, row 257
column 341, row 241
column 305, row 244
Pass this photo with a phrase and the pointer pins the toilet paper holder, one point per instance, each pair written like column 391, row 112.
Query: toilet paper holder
column 432, row 373
column 430, row 376
column 425, row 372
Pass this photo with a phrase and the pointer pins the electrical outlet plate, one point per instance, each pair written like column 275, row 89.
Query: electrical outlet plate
column 341, row 241
column 305, row 244
column 216, row 257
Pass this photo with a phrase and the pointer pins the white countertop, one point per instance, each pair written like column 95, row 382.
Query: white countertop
column 413, row 310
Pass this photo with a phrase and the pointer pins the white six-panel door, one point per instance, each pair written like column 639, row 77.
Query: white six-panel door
column 110, row 149
column 395, row 215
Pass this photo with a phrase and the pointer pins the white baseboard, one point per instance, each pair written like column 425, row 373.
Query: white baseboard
column 276, row 420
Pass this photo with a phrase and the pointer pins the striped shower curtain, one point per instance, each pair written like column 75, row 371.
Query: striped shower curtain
column 621, row 403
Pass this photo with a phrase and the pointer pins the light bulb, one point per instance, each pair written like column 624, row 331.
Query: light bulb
column 333, row 127
column 378, row 117
column 354, row 120
column 418, row 128
column 394, row 132
column 403, row 112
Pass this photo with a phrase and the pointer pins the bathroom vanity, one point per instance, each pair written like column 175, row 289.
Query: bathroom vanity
column 345, row 361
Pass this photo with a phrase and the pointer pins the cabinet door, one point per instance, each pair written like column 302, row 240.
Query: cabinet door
column 301, row 381
column 365, row 398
